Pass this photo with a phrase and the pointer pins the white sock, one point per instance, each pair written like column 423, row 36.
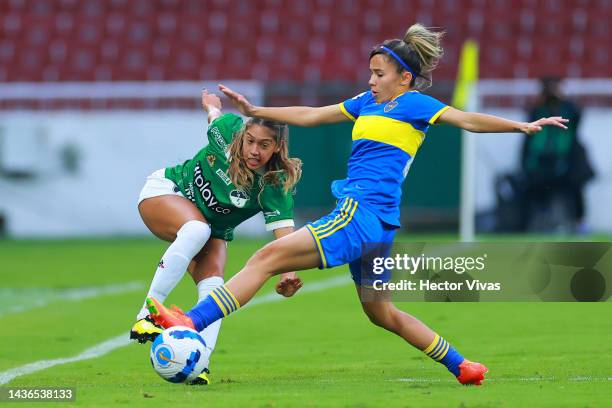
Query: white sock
column 210, row 333
column 190, row 239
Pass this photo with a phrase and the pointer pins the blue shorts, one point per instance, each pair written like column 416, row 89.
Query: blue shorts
column 352, row 234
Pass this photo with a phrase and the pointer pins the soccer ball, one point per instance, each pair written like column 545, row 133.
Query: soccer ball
column 179, row 354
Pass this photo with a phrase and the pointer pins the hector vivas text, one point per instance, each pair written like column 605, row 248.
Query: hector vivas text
column 411, row 265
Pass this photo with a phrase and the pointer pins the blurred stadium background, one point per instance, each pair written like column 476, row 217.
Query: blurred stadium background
column 97, row 94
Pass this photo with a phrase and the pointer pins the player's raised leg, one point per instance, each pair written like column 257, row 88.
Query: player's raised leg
column 176, row 219
column 382, row 312
column 293, row 252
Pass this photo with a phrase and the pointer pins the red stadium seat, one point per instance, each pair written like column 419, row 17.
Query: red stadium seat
column 11, row 26
column 301, row 39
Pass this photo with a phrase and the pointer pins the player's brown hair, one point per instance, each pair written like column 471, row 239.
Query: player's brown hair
column 280, row 169
column 420, row 49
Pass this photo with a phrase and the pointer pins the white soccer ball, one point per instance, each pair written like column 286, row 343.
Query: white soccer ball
column 179, row 354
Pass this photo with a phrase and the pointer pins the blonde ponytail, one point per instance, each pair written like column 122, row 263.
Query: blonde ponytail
column 426, row 43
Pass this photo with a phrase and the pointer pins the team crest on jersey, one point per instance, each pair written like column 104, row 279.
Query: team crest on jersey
column 239, row 197
column 390, row 105
column 211, row 159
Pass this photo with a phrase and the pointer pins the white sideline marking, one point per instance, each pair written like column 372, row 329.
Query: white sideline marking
column 43, row 296
column 516, row 379
column 96, row 351
column 122, row 340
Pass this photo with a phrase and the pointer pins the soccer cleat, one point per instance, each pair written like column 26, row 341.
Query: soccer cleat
column 471, row 373
column 145, row 330
column 202, row 379
column 167, row 317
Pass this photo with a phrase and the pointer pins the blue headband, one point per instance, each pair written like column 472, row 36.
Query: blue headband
column 398, row 59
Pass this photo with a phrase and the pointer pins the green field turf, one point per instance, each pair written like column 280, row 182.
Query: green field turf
column 317, row 349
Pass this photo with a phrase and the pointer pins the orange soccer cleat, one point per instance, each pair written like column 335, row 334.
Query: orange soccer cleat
column 167, row 317
column 471, row 373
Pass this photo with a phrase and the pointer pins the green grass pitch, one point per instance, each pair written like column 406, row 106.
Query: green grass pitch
column 317, row 349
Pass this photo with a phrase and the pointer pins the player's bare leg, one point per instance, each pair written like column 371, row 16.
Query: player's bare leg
column 293, row 252
column 382, row 312
column 171, row 218
column 165, row 215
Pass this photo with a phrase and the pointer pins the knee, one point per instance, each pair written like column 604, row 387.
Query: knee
column 380, row 314
column 191, row 238
column 265, row 258
column 376, row 318
column 194, row 233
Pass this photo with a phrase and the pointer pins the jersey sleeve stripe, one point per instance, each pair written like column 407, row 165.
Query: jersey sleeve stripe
column 437, row 115
column 346, row 113
column 279, row 224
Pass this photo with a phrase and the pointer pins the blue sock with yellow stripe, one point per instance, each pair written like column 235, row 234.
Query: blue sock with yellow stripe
column 444, row 353
column 218, row 304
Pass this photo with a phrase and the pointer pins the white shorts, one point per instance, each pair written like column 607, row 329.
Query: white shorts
column 157, row 185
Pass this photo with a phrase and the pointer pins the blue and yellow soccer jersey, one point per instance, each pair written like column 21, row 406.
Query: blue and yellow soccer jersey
column 386, row 137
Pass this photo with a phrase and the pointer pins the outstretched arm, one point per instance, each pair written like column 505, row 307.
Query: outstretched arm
column 481, row 123
column 212, row 105
column 293, row 115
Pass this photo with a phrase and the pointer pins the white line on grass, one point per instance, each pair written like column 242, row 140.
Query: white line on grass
column 513, row 379
column 122, row 340
column 96, row 351
column 40, row 297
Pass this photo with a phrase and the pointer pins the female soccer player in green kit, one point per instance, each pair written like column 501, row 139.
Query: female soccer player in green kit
column 244, row 169
column 391, row 120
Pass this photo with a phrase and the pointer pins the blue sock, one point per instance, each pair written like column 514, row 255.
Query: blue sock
column 218, row 304
column 444, row 353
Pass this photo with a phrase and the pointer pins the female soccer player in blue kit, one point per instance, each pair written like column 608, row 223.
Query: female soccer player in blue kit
column 391, row 120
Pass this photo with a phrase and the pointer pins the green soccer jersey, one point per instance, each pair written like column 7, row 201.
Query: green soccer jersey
column 204, row 181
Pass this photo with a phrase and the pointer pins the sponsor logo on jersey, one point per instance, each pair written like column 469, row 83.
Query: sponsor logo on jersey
column 271, row 213
column 390, row 105
column 223, row 177
column 239, row 197
column 218, row 138
column 205, row 190
column 211, row 159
